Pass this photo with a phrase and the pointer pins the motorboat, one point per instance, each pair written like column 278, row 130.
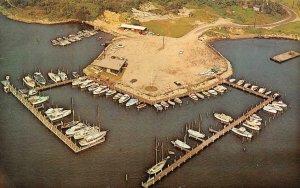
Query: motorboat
column 269, row 109
column 261, row 90
column 86, row 84
column 178, row 100
column 206, row 93
column 195, row 134
column 255, row 116
column 164, row 104
column 158, row 107
column 224, row 118
column 199, row 96
column 213, row 92
column 124, row 98
column 247, row 85
column 268, row 92
column 110, row 92
column 232, row 80
column 54, row 77
column 104, row 91
column 29, row 81
column 254, row 87
column 180, row 144
column 93, row 138
column 93, row 87
column 279, row 103
column 38, row 99
column 75, row 74
column 278, row 108
column 39, row 78
column 240, row 82
column 63, row 76
column 275, row 95
column 53, row 111
column 251, row 126
column 193, row 96
column 242, row 132
column 69, row 124
column 32, row 92
column 171, row 102
column 117, row 96
column 158, row 167
column 132, row 102
column 24, row 92
column 97, row 90
column 60, row 115
column 71, row 131
column 142, row 105
column 83, row 132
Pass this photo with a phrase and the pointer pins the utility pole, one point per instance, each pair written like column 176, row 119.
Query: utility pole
column 163, row 42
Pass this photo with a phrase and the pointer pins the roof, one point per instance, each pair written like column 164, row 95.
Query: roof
column 108, row 63
column 133, row 27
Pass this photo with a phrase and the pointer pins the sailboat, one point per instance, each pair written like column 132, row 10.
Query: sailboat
column 196, row 134
column 73, row 122
column 158, row 165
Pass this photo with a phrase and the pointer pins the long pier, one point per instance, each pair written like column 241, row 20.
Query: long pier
column 73, row 146
column 204, row 144
column 49, row 86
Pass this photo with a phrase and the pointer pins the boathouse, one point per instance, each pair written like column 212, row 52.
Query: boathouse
column 139, row 29
column 114, row 66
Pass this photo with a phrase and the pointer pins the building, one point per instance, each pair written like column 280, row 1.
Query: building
column 111, row 65
column 256, row 8
column 139, row 29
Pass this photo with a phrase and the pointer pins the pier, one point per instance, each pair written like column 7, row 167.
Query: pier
column 49, row 86
column 204, row 144
column 285, row 56
column 72, row 145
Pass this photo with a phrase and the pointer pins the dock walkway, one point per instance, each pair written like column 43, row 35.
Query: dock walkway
column 204, row 144
column 49, row 86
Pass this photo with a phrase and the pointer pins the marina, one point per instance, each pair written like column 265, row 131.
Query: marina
column 72, row 38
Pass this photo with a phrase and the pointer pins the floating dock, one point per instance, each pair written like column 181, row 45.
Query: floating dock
column 285, row 56
column 49, row 86
column 204, row 144
column 73, row 146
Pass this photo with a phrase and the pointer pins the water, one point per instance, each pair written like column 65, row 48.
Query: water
column 31, row 156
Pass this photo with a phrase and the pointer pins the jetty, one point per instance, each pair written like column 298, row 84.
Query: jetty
column 285, row 56
column 43, row 119
column 205, row 144
column 49, row 86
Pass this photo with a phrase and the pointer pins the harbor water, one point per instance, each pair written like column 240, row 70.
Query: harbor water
column 31, row 156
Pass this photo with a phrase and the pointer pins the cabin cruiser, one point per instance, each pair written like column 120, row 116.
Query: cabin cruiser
column 164, row 104
column 279, row 103
column 117, row 96
column 232, row 80
column 60, row 115
column 97, row 90
column 132, row 102
column 242, row 132
column 178, row 100
column 275, row 95
column 268, row 92
column 78, row 81
column 195, row 134
column 171, row 102
column 86, row 83
column 29, row 81
column 261, row 90
column 199, row 96
column 253, row 121
column 251, row 126
column 255, row 116
column 220, row 89
column 94, row 137
column 193, row 96
column 32, row 92
column 247, row 85
column 53, row 111
column 269, row 109
column 84, row 131
column 38, row 99
column 158, row 167
column 54, row 77
column 110, row 92
column 206, row 93
column 75, row 74
column 24, row 92
column 158, row 107
column 69, row 124
column 180, row 144
column 103, row 91
column 142, row 105
column 254, row 88
column 278, row 108
column 124, row 98
column 39, row 78
column 213, row 92
column 93, row 87
column 71, row 131
column 63, row 76
column 240, row 82
column 224, row 118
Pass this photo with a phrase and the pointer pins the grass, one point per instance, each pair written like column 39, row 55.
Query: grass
column 292, row 4
column 291, row 28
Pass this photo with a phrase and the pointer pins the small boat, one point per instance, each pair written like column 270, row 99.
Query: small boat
column 39, row 78
column 180, row 144
column 38, row 99
column 54, row 77
column 24, row 92
column 78, row 81
column 158, row 107
column 220, row 89
column 195, row 134
column 213, row 92
column 97, row 91
column 132, row 102
column 171, row 102
column 171, row 152
column 242, row 132
column 117, row 96
column 110, row 92
column 29, row 81
column 178, row 100
column 206, row 93
column 193, row 96
column 86, row 84
column 164, row 104
column 93, row 87
column 124, row 98
column 255, row 116
column 75, row 74
column 269, row 109
column 254, row 88
column 60, row 115
column 268, row 92
column 275, row 95
column 158, row 167
column 224, row 118
column 251, row 126
column 83, row 132
column 71, row 131
column 32, row 92
column 246, row 85
column 240, row 82
column 279, row 103
column 63, row 76
column 53, row 111
column 277, row 108
column 142, row 105
column 199, row 96
column 232, row 80
column 103, row 91
column 261, row 90
column 253, row 122
column 93, row 138
column 69, row 124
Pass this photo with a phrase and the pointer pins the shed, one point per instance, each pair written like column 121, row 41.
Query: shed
column 136, row 28
column 114, row 66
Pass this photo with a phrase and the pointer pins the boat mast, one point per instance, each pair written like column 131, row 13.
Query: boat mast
column 98, row 118
column 72, row 107
column 156, row 150
column 162, row 151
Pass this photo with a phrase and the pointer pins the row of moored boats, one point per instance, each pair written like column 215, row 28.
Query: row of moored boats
column 39, row 79
column 71, row 38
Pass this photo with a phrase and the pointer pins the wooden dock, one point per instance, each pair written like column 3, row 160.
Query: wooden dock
column 49, row 86
column 73, row 146
column 285, row 56
column 204, row 144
